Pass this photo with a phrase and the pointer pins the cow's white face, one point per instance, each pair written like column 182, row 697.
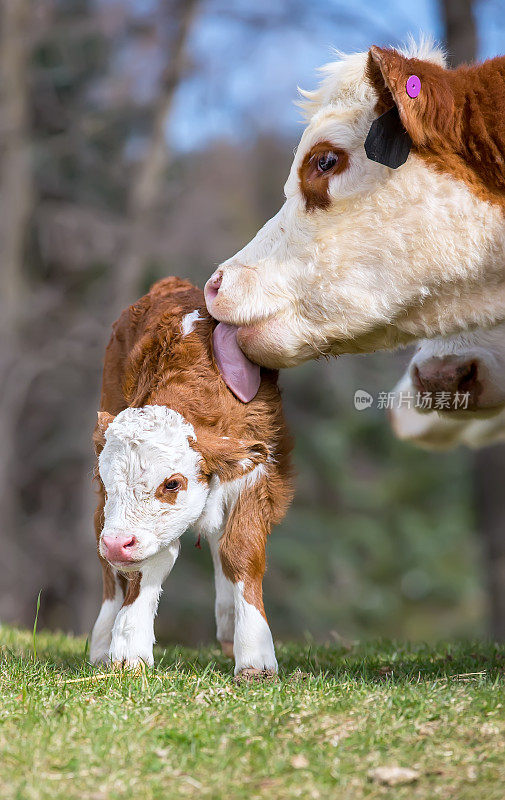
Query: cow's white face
column 362, row 256
column 157, row 474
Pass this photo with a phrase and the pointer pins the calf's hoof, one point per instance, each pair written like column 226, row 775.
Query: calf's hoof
column 227, row 648
column 99, row 660
column 252, row 675
column 134, row 666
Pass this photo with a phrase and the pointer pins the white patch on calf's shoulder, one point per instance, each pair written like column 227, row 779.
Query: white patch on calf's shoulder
column 222, row 498
column 188, row 322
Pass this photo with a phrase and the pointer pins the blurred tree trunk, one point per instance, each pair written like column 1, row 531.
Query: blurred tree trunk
column 16, row 194
column 489, row 471
column 147, row 185
column 460, row 30
column 488, row 464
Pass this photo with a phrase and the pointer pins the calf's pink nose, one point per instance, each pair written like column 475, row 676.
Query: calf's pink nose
column 119, row 546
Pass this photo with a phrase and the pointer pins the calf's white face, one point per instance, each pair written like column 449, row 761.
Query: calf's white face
column 153, row 483
column 157, row 475
column 362, row 256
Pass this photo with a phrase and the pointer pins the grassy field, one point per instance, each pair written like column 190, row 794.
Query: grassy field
column 185, row 729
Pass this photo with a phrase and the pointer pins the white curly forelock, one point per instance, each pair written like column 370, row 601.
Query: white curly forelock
column 147, row 424
column 344, row 81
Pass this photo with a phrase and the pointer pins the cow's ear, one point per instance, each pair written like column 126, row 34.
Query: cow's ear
column 227, row 457
column 103, row 421
column 419, row 90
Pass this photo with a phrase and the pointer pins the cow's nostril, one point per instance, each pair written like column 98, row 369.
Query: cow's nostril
column 130, row 543
column 468, row 379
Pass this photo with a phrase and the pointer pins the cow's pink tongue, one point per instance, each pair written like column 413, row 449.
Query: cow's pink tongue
column 240, row 375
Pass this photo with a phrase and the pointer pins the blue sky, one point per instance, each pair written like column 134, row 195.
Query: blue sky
column 245, row 79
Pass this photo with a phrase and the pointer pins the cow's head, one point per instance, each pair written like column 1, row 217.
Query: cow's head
column 363, row 256
column 468, row 369
column 158, row 472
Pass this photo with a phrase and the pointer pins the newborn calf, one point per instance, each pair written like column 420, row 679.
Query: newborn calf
column 176, row 449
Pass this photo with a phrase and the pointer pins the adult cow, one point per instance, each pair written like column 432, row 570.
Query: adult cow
column 364, row 256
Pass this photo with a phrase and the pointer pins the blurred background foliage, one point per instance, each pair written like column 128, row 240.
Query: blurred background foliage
column 140, row 138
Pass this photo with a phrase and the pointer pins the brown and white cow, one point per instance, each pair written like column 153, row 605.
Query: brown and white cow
column 362, row 255
column 176, row 449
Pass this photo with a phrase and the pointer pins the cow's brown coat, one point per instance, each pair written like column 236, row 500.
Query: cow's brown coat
column 457, row 122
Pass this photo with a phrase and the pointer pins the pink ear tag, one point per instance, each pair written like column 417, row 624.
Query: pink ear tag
column 413, row 86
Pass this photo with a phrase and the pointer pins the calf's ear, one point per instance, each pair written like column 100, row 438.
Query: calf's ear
column 229, row 458
column 420, row 91
column 103, row 421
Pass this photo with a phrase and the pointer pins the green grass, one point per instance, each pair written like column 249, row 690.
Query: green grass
column 185, row 729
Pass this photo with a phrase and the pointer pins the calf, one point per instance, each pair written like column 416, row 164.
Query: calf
column 176, row 450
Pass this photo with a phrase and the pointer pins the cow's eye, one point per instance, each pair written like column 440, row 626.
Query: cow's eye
column 171, row 485
column 326, row 161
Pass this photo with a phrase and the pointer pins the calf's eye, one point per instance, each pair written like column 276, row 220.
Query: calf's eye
column 167, row 491
column 326, row 161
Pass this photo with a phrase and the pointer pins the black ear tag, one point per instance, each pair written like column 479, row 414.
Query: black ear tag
column 388, row 142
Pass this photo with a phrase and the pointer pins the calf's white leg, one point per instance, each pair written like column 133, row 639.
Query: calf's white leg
column 242, row 555
column 133, row 631
column 102, row 629
column 225, row 601
column 252, row 644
